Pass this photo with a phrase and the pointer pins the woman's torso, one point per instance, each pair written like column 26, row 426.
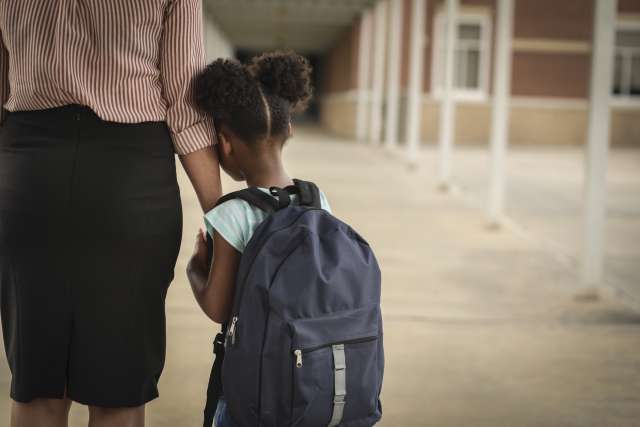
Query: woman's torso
column 102, row 54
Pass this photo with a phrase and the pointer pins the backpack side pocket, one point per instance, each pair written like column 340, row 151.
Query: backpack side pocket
column 336, row 373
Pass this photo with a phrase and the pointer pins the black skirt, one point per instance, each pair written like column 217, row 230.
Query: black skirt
column 90, row 229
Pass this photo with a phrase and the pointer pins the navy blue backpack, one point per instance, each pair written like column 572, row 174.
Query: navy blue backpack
column 303, row 346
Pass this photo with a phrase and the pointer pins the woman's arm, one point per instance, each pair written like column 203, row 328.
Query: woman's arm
column 4, row 79
column 214, row 288
column 203, row 170
column 181, row 59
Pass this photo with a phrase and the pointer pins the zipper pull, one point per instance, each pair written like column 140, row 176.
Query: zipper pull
column 232, row 329
column 298, row 354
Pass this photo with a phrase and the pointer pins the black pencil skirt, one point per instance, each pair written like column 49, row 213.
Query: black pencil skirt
column 90, row 228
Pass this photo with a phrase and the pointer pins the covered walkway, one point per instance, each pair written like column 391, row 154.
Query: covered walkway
column 482, row 328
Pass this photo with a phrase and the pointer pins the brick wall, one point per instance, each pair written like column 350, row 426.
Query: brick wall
column 341, row 68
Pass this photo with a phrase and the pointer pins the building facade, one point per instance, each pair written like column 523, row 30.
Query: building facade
column 551, row 62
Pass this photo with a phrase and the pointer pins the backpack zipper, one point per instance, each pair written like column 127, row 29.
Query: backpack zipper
column 232, row 329
column 299, row 352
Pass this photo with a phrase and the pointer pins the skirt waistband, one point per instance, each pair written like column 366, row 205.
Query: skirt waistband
column 80, row 124
column 68, row 112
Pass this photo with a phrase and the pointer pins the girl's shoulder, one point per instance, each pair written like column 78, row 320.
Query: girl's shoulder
column 235, row 220
column 324, row 202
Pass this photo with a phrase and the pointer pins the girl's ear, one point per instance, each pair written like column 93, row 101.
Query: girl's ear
column 227, row 149
column 290, row 130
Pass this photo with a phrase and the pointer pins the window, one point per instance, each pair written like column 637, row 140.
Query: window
column 471, row 63
column 626, row 74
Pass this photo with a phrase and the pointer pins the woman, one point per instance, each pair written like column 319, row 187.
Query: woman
column 98, row 98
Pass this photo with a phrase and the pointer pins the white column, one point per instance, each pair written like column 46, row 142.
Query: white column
column 500, row 118
column 597, row 149
column 414, row 98
column 216, row 44
column 447, row 106
column 379, row 32
column 364, row 74
column 393, row 73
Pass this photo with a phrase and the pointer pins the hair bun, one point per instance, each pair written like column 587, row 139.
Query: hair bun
column 284, row 74
column 224, row 86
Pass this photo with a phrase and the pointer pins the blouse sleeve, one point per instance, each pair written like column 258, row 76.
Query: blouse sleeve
column 181, row 59
column 4, row 80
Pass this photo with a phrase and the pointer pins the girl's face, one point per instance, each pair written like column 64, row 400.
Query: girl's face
column 227, row 155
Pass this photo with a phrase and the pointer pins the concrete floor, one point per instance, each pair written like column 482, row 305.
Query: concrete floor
column 481, row 327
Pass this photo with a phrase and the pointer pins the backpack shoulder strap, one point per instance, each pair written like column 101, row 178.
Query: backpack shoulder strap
column 214, row 388
column 254, row 197
column 308, row 192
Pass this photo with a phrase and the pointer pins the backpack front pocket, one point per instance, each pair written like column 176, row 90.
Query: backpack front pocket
column 336, row 371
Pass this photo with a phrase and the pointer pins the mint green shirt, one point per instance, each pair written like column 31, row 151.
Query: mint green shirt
column 237, row 220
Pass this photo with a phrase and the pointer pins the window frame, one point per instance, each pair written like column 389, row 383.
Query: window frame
column 623, row 99
column 481, row 18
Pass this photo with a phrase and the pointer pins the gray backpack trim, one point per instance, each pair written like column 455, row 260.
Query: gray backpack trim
column 339, row 384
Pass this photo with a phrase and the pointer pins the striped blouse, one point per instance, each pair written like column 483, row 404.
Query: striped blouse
column 130, row 61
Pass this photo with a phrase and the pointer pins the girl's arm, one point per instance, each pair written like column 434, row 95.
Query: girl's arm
column 214, row 288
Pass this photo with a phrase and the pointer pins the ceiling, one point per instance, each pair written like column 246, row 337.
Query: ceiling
column 307, row 26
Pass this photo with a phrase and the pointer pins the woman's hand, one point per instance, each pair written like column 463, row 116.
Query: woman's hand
column 198, row 267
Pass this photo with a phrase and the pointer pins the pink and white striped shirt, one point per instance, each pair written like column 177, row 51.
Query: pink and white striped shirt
column 130, row 61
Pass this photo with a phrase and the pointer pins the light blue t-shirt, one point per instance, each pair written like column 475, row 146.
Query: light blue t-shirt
column 237, row 220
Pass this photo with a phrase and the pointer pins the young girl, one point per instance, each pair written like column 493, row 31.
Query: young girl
column 251, row 107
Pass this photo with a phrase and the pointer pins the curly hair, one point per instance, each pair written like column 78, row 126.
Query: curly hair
column 255, row 101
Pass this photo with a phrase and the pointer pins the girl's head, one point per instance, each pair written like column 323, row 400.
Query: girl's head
column 252, row 105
